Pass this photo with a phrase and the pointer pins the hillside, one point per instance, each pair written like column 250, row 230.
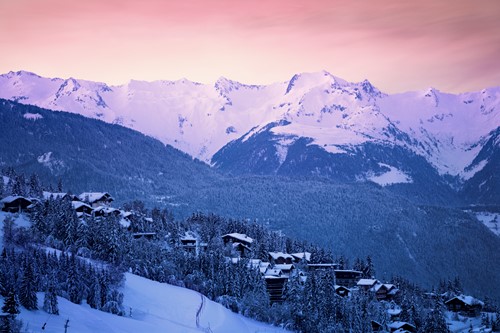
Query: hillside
column 153, row 307
column 355, row 220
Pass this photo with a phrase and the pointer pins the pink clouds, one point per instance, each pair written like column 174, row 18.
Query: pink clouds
column 398, row 45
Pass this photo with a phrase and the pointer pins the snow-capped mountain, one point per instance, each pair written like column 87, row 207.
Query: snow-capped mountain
column 341, row 122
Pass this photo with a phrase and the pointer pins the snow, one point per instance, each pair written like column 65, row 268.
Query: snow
column 93, row 196
column 241, row 237
column 393, row 176
column 151, row 307
column 491, row 220
column 446, row 129
column 468, row 174
column 32, row 116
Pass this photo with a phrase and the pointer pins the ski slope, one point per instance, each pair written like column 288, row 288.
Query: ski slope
column 151, row 307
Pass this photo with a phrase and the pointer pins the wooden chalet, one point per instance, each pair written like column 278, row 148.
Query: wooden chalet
column 280, row 258
column 275, row 286
column 347, row 278
column 96, row 199
column 58, row 196
column 287, row 269
column 342, row 291
column 81, row 207
column 15, row 203
column 240, row 242
column 105, row 211
column 465, row 305
column 402, row 326
column 385, row 291
column 367, row 284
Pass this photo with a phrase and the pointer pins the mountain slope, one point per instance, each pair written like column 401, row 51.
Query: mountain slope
column 332, row 114
column 151, row 307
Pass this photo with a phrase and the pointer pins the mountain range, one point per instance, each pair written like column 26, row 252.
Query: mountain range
column 313, row 125
column 379, row 187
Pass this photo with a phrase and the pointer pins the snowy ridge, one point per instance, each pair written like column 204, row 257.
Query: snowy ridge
column 200, row 119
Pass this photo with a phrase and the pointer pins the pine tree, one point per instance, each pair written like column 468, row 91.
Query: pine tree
column 27, row 294
column 73, row 282
column 435, row 321
column 50, row 304
column 11, row 304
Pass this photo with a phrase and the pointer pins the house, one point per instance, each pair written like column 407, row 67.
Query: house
column 15, row 203
column 275, row 286
column 402, row 326
column 191, row 244
column 385, row 291
column 105, row 211
column 301, row 256
column 96, row 199
column 237, row 238
column 285, row 268
column 347, row 278
column 81, row 208
column 280, row 258
column 342, row 291
column 241, row 248
column 367, row 284
column 466, row 305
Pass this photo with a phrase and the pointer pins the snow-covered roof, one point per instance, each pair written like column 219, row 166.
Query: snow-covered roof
column 188, row 236
column 367, row 282
column 241, row 237
column 78, row 204
column 394, row 312
column 12, row 198
column 301, row 255
column 273, row 272
column 338, row 287
column 126, row 214
column 399, row 324
column 124, row 223
column 469, row 300
column 276, row 255
column 92, row 197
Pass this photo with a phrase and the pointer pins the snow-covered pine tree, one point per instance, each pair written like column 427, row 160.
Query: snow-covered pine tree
column 50, row 304
column 27, row 292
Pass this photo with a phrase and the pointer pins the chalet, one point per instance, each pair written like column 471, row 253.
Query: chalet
column 275, row 286
column 466, row 305
column 237, row 238
column 264, row 266
column 125, row 219
column 105, row 211
column 280, row 258
column 146, row 235
column 15, row 203
column 342, row 291
column 367, row 284
column 241, row 248
column 81, row 208
column 96, row 199
column 394, row 313
column 191, row 244
column 347, row 278
column 301, row 256
column 287, row 269
column 401, row 326
column 313, row 267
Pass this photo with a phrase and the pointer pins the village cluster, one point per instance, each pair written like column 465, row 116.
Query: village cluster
column 276, row 271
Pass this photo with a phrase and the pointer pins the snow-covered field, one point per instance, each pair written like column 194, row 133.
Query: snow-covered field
column 491, row 220
column 151, row 307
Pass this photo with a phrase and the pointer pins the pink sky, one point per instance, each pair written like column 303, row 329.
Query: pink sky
column 398, row 45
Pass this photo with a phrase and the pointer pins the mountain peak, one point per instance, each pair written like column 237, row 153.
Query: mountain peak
column 307, row 80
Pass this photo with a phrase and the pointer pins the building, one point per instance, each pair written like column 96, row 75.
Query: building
column 280, row 258
column 275, row 286
column 81, row 208
column 313, row 267
column 96, row 199
column 347, row 278
column 15, row 203
column 401, row 326
column 466, row 305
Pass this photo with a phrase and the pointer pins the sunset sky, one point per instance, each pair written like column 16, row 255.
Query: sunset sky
column 453, row 45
